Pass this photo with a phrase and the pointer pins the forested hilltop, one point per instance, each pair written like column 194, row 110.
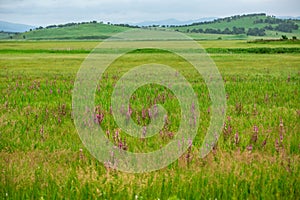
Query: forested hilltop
column 251, row 24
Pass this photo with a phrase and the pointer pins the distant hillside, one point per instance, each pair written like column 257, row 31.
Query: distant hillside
column 13, row 27
column 169, row 22
column 252, row 24
column 5, row 35
column 73, row 31
column 289, row 17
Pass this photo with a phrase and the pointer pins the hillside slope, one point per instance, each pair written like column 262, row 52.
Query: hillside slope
column 252, row 24
column 77, row 31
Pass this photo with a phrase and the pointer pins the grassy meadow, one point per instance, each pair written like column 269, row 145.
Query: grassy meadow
column 257, row 155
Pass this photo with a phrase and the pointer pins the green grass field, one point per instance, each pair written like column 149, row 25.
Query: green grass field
column 42, row 156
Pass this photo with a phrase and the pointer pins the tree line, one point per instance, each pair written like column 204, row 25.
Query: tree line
column 226, row 19
column 282, row 25
column 234, row 31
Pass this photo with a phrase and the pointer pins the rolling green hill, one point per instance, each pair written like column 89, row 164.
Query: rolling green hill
column 73, row 32
column 247, row 25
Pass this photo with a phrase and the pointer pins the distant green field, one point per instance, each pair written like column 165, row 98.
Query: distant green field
column 42, row 156
column 248, row 44
column 48, row 45
column 213, row 47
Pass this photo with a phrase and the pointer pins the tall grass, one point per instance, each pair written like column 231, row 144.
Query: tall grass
column 42, row 157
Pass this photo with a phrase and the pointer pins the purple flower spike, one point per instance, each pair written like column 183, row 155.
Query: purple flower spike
column 236, row 138
column 144, row 131
column 155, row 110
column 250, row 147
column 149, row 113
column 144, row 114
column 277, row 145
column 281, row 137
column 99, row 118
column 264, row 143
column 255, row 129
column 190, row 142
column 179, row 145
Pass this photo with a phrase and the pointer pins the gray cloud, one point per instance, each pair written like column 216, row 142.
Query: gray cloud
column 120, row 11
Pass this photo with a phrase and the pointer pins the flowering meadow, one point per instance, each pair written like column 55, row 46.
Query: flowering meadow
column 42, row 157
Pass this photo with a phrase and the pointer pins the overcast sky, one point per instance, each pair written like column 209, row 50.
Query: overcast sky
column 45, row 12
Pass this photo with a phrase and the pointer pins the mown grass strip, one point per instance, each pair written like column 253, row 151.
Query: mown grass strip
column 61, row 51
